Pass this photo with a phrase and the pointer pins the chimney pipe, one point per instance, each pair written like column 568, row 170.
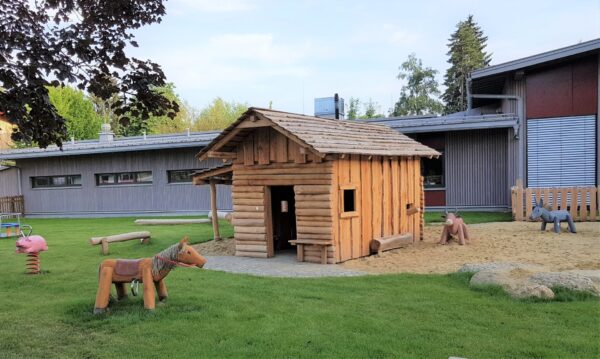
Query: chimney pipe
column 106, row 135
column 336, row 100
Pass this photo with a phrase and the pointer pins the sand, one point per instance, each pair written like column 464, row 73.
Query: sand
column 521, row 242
column 224, row 247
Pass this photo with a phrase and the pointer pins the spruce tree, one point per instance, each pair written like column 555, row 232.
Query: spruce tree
column 466, row 54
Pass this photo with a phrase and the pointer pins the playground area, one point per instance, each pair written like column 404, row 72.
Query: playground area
column 492, row 242
column 238, row 315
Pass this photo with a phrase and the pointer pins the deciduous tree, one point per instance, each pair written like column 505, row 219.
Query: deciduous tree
column 82, row 42
column 219, row 114
column 419, row 94
column 77, row 109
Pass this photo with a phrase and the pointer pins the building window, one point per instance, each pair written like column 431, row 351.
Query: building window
column 56, row 181
column 349, row 200
column 180, row 176
column 432, row 170
column 124, row 178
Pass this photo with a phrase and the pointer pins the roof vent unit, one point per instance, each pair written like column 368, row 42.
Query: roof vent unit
column 330, row 107
column 106, row 135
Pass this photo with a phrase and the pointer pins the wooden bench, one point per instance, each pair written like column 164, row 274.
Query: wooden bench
column 143, row 236
column 301, row 242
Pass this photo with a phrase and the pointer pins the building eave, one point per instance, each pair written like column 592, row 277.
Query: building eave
column 538, row 59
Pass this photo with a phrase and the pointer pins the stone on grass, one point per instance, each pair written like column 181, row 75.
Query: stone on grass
column 478, row 267
column 574, row 280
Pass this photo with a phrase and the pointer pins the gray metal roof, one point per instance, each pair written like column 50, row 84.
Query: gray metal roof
column 454, row 122
column 554, row 55
column 123, row 144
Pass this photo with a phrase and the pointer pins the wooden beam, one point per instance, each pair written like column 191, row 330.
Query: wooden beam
column 223, row 155
column 255, row 123
column 213, row 209
column 234, row 132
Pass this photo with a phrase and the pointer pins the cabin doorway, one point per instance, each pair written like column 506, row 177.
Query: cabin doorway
column 283, row 210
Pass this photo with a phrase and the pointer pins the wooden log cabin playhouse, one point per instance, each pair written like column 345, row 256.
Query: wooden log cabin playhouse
column 328, row 187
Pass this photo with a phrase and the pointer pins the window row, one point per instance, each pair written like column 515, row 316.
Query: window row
column 110, row 179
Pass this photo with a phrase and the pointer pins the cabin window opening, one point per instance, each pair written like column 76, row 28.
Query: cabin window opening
column 180, row 176
column 349, row 200
column 56, row 181
column 123, row 178
column 432, row 170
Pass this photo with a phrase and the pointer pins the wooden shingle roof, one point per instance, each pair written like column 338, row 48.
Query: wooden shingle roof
column 322, row 135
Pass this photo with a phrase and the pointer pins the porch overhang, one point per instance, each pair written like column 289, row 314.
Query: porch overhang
column 220, row 175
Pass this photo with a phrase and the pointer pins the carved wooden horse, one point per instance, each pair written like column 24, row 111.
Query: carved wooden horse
column 150, row 271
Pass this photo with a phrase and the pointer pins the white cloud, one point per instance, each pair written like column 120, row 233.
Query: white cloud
column 213, row 6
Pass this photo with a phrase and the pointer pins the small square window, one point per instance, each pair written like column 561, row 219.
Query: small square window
column 349, row 200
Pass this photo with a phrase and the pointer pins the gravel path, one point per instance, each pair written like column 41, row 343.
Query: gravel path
column 283, row 265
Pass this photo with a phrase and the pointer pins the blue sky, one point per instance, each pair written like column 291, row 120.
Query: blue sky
column 290, row 52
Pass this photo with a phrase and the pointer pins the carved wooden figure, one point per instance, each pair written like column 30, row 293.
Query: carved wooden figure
column 552, row 217
column 150, row 271
column 454, row 226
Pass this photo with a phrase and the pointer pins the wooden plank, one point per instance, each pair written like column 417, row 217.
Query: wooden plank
column 300, row 253
column 555, row 202
column 251, row 208
column 250, row 236
column 345, row 223
column 299, row 189
column 563, row 198
column 520, row 201
column 356, row 232
column 313, row 212
column 387, row 198
column 395, row 178
column 248, row 222
column 247, row 195
column 422, row 208
column 546, row 196
column 366, row 205
column 268, row 221
column 251, row 254
column 334, row 214
column 249, row 150
column 315, row 197
column 281, row 147
column 263, row 145
column 298, row 177
column 573, row 206
column 325, row 237
column 280, row 182
column 248, row 215
column 324, row 219
column 593, row 203
column 311, row 241
column 301, row 223
column 404, row 173
column 377, row 196
column 244, row 189
column 222, row 155
column 583, row 193
column 314, row 230
column 320, row 204
column 528, row 203
column 251, row 248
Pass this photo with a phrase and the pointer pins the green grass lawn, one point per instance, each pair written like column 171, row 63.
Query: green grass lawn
column 472, row 217
column 214, row 315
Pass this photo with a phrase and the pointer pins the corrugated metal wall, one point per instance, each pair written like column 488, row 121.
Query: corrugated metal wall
column 89, row 199
column 9, row 182
column 477, row 167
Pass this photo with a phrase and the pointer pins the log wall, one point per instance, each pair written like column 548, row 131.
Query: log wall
column 384, row 188
column 267, row 158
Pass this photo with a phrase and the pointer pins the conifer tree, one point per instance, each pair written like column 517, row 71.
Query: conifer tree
column 467, row 45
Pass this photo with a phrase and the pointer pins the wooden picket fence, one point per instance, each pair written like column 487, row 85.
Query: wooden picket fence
column 12, row 204
column 582, row 202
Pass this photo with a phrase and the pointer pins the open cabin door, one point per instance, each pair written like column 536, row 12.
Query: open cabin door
column 283, row 219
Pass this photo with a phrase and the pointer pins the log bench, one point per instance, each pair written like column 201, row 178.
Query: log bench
column 387, row 243
column 301, row 242
column 143, row 236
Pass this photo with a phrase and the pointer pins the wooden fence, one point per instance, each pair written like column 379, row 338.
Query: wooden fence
column 582, row 202
column 12, row 204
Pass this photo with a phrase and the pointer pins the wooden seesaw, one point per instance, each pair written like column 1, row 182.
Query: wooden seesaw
column 143, row 236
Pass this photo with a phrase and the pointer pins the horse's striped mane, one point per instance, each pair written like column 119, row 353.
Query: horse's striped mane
column 170, row 254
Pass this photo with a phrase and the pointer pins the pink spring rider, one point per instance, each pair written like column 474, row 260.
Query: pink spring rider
column 32, row 246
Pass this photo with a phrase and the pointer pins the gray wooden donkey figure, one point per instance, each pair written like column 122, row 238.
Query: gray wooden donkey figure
column 552, row 217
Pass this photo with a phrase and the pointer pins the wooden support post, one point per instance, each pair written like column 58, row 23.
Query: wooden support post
column 300, row 253
column 104, row 248
column 213, row 209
